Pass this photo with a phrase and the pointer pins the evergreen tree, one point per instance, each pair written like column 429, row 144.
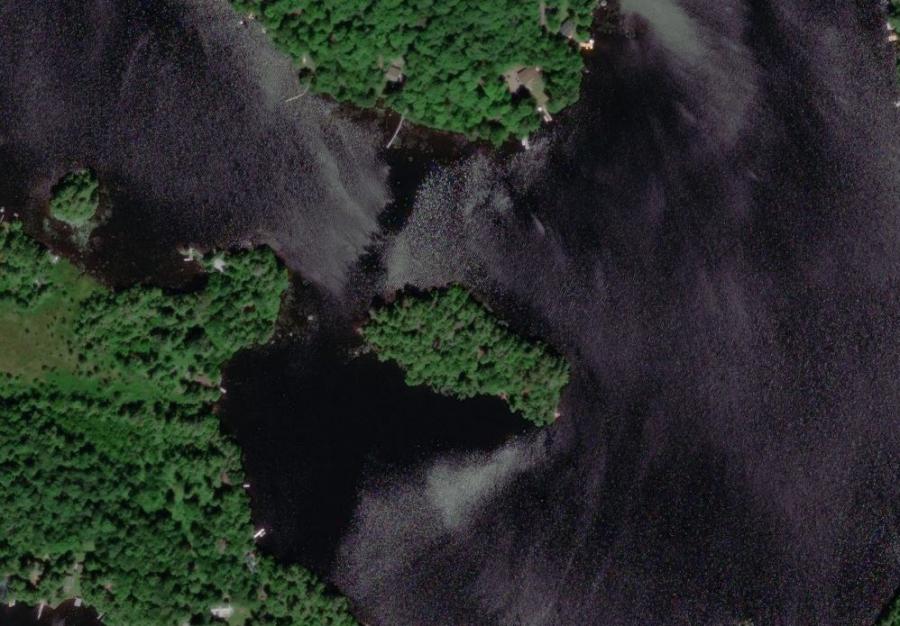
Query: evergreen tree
column 451, row 54
column 75, row 198
column 450, row 342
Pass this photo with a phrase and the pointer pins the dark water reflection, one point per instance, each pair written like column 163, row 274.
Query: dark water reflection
column 312, row 425
column 66, row 614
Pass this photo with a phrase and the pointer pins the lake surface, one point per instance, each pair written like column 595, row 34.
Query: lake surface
column 67, row 614
column 315, row 426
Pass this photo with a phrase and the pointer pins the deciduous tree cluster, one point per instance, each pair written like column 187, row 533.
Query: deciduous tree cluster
column 455, row 345
column 441, row 63
column 119, row 487
column 75, row 198
column 892, row 616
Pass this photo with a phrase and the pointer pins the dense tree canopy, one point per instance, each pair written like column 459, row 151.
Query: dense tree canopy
column 450, row 342
column 439, row 63
column 119, row 486
column 75, row 198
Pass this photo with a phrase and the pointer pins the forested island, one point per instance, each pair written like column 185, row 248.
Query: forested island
column 123, row 491
column 490, row 70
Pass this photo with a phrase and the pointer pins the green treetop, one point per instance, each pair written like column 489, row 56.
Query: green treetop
column 75, row 198
column 119, row 486
column 439, row 63
column 450, row 342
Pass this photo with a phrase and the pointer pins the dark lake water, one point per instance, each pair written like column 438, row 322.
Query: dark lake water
column 315, row 426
